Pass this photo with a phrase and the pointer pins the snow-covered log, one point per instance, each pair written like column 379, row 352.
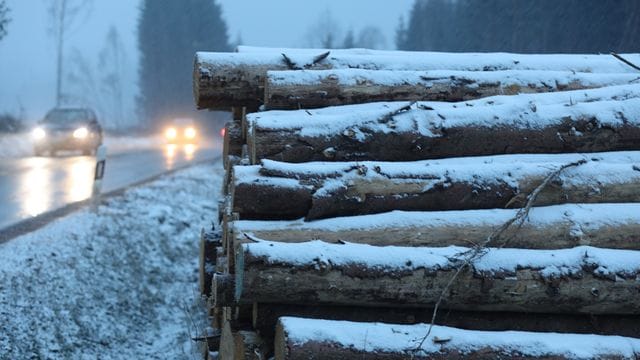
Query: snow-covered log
column 302, row 339
column 223, row 80
column 578, row 280
column 615, row 226
column 265, row 317
column 402, row 131
column 285, row 191
column 308, row 89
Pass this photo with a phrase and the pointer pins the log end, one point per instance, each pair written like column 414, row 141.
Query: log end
column 223, row 289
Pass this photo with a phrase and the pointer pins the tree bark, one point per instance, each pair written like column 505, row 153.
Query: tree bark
column 209, row 241
column 232, row 143
column 333, row 340
column 613, row 226
column 223, row 289
column 265, row 317
column 425, row 131
column 223, row 80
column 284, row 191
column 541, row 281
column 309, row 89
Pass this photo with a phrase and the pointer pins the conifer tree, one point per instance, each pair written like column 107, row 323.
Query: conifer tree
column 169, row 34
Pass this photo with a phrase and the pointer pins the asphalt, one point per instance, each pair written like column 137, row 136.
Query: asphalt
column 37, row 191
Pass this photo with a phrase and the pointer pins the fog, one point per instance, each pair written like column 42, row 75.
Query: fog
column 27, row 53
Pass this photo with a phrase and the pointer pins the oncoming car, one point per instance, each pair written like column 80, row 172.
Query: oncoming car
column 182, row 131
column 67, row 129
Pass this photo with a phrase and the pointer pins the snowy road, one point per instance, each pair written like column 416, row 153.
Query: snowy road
column 30, row 186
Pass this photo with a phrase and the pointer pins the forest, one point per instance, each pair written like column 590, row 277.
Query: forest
column 541, row 26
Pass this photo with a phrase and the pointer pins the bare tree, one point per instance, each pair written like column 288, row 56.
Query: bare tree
column 84, row 88
column 325, row 32
column 112, row 64
column 371, row 37
column 4, row 18
column 63, row 16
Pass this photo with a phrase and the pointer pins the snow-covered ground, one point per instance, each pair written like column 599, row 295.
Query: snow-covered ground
column 119, row 282
column 20, row 144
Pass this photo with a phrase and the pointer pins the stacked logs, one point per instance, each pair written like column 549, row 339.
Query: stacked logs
column 500, row 189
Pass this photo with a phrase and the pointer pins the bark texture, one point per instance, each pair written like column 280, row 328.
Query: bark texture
column 258, row 279
column 318, row 191
column 559, row 229
column 223, row 80
column 310, row 89
column 420, row 133
column 266, row 315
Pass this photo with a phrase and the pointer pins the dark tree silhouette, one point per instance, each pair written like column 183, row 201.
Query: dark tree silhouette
column 4, row 18
column 169, row 34
column 543, row 26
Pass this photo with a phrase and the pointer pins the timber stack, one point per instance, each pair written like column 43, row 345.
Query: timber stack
column 396, row 205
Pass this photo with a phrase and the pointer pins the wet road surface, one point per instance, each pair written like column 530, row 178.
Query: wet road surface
column 30, row 186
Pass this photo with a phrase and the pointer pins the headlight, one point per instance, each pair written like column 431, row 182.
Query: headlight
column 81, row 133
column 189, row 133
column 171, row 133
column 39, row 133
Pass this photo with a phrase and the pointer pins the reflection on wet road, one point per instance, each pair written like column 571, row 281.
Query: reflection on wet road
column 33, row 185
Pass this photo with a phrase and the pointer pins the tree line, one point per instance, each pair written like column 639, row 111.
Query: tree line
column 169, row 34
column 540, row 26
column 4, row 18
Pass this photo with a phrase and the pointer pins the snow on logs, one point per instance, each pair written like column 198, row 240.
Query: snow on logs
column 614, row 226
column 285, row 191
column 223, row 80
column 266, row 315
column 309, row 89
column 403, row 131
column 577, row 280
column 301, row 339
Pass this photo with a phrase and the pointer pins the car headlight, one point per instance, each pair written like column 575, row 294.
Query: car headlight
column 39, row 133
column 189, row 133
column 171, row 133
column 81, row 133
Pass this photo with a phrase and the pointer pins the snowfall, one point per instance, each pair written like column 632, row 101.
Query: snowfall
column 113, row 281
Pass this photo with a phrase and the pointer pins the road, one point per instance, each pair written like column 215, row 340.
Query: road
column 30, row 186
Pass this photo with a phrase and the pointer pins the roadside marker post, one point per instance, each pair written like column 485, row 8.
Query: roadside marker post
column 101, row 160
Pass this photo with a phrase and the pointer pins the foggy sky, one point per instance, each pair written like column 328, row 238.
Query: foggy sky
column 27, row 53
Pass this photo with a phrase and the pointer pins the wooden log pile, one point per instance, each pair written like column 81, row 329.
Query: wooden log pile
column 371, row 194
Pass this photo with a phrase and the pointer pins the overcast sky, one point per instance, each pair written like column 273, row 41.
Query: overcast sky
column 27, row 56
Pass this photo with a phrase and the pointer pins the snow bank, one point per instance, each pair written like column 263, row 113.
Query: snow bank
column 406, row 338
column 15, row 145
column 118, row 283
column 121, row 144
column 21, row 145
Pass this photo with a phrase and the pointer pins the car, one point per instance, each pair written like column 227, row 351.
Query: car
column 182, row 131
column 67, row 129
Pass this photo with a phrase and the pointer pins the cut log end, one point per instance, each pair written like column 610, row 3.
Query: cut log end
column 223, row 289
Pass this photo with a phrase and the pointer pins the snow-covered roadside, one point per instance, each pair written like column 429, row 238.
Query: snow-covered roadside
column 119, row 283
column 15, row 145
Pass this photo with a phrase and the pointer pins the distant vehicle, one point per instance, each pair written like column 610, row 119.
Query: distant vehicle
column 67, row 129
column 182, row 131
